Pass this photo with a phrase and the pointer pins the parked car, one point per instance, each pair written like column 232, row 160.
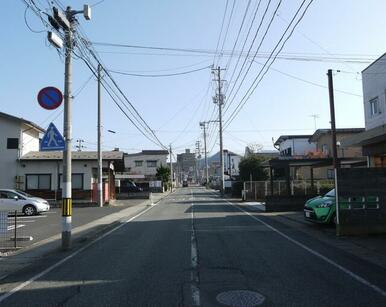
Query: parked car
column 16, row 200
column 132, row 187
column 321, row 209
column 184, row 183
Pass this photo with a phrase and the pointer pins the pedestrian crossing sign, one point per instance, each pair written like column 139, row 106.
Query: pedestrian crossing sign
column 52, row 139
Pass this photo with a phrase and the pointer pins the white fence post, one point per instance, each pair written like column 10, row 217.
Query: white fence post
column 318, row 187
column 292, row 188
column 266, row 188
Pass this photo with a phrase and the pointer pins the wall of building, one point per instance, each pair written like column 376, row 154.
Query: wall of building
column 29, row 140
column 144, row 169
column 299, row 147
column 8, row 157
column 374, row 85
column 325, row 143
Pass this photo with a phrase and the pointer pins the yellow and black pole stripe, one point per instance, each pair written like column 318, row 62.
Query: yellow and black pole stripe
column 67, row 207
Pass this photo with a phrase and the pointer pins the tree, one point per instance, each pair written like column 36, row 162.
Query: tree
column 252, row 166
column 163, row 174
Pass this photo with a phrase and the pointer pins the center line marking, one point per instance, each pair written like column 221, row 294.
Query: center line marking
column 194, row 278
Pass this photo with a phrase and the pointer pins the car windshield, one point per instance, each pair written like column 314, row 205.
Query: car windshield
column 331, row 193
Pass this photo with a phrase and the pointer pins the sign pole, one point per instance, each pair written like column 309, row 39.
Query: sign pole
column 67, row 166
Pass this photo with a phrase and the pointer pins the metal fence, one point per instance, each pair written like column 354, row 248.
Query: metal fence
column 258, row 190
column 12, row 234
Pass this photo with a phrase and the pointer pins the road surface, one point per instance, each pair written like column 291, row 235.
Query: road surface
column 194, row 248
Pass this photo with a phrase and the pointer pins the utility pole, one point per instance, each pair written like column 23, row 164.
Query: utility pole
column 334, row 148
column 219, row 100
column 171, row 167
column 198, row 152
column 100, row 184
column 66, row 22
column 67, row 129
column 79, row 146
column 203, row 125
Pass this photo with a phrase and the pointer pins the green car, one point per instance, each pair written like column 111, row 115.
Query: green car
column 321, row 209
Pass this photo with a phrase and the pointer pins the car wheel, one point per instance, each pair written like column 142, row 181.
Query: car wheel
column 333, row 220
column 29, row 210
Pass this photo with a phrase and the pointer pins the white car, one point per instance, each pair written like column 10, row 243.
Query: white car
column 15, row 200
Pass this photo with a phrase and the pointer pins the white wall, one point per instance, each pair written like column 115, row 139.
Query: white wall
column 55, row 167
column 8, row 157
column 144, row 169
column 29, row 140
column 299, row 146
column 374, row 85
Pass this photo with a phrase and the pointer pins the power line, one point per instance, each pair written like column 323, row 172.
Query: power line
column 222, row 26
column 159, row 75
column 254, row 56
column 254, row 85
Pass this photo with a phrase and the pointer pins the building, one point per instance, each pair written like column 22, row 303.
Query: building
column 18, row 137
column 231, row 164
column 144, row 164
column 40, row 174
column 373, row 139
column 262, row 154
column 294, row 145
column 186, row 166
column 299, row 161
column 323, row 140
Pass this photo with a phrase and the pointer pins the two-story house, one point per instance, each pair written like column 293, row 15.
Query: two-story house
column 373, row 139
column 18, row 136
column 144, row 164
column 294, row 145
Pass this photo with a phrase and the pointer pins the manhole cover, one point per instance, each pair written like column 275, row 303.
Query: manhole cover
column 240, row 298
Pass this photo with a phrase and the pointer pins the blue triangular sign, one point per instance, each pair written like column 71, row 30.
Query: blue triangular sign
column 52, row 139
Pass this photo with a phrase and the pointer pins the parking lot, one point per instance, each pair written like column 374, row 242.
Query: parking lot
column 48, row 224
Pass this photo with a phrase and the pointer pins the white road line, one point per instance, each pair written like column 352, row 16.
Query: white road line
column 315, row 253
column 57, row 264
column 12, row 227
column 194, row 260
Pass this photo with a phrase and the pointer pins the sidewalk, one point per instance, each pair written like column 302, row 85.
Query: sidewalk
column 83, row 233
column 371, row 248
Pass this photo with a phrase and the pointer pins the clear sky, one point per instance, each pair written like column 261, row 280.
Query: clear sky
column 174, row 106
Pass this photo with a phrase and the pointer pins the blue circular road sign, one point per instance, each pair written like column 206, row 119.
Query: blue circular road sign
column 50, row 98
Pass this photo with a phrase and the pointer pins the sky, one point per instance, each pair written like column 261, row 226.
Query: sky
column 173, row 106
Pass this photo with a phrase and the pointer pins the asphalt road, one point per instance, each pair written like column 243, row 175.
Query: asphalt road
column 195, row 248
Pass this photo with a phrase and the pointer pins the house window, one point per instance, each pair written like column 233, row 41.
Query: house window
column 38, row 182
column 374, row 106
column 138, row 163
column 12, row 143
column 325, row 150
column 151, row 163
column 77, row 181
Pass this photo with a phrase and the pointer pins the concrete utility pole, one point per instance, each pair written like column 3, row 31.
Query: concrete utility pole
column 203, row 125
column 100, row 183
column 66, row 22
column 67, row 128
column 334, row 148
column 219, row 99
column 198, row 151
column 171, row 167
